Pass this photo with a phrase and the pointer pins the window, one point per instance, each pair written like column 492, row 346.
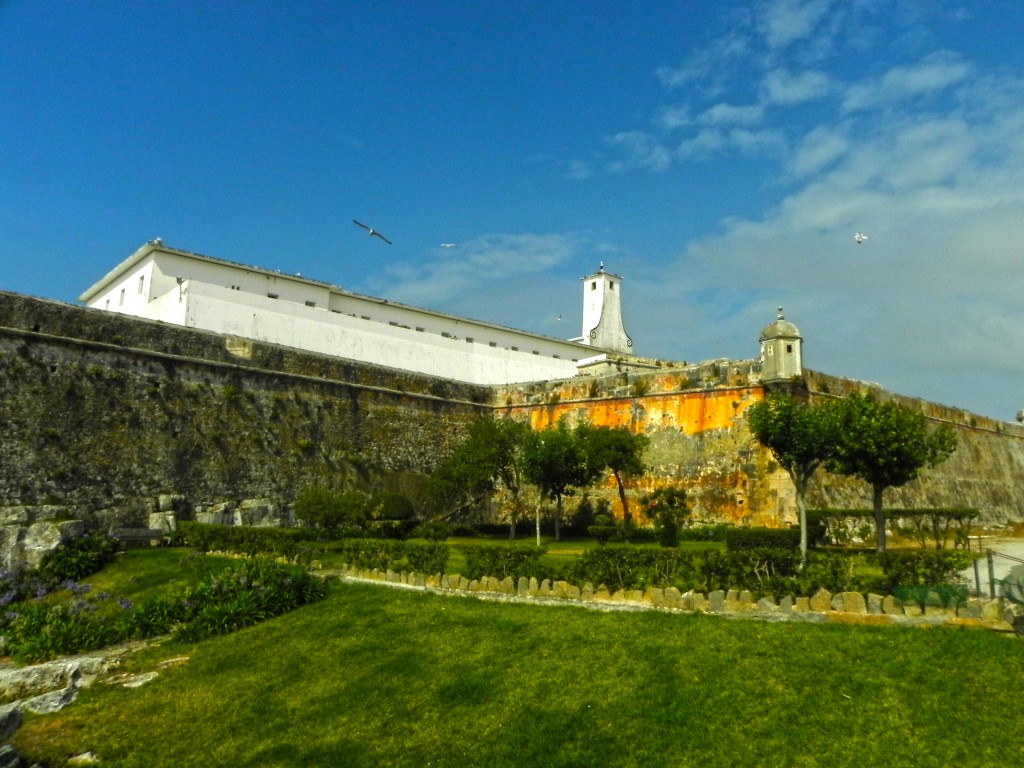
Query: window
column 120, row 301
column 514, row 349
column 142, row 283
column 492, row 343
column 310, row 303
column 769, row 351
column 593, row 286
column 789, row 349
column 611, row 286
column 272, row 296
column 419, row 328
column 469, row 339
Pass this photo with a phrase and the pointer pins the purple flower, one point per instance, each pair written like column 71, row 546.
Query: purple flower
column 9, row 597
column 124, row 602
column 41, row 592
column 102, row 595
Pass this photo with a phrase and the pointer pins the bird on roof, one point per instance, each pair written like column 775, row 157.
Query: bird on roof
column 373, row 232
column 860, row 238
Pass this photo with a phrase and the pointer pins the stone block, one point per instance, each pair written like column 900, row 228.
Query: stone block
column 657, row 595
column 786, row 604
column 821, row 601
column 603, row 594
column 534, row 589
column 523, row 587
column 10, row 720
column 716, row 601
column 474, row 586
column 892, row 606
column 545, row 588
column 634, row 596
column 875, row 603
column 767, row 605
column 802, row 604
column 913, row 610
column 853, row 602
column 587, row 593
column 672, row 598
column 619, row 596
column 699, row 601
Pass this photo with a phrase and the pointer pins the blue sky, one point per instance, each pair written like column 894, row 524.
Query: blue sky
column 719, row 156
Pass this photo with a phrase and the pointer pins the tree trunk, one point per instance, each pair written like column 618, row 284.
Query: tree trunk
column 538, row 523
column 879, row 518
column 512, row 526
column 801, row 507
column 558, row 517
column 625, row 507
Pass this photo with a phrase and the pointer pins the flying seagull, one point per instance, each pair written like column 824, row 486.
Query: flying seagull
column 860, row 238
column 448, row 245
column 373, row 232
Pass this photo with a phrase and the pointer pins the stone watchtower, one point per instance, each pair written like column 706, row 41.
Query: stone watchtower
column 781, row 350
column 602, row 312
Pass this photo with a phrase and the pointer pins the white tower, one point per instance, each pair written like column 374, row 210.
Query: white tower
column 781, row 350
column 602, row 312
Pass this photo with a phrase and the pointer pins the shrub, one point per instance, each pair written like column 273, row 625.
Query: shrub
column 602, row 529
column 500, row 561
column 242, row 539
column 762, row 538
column 668, row 508
column 427, row 558
column 78, row 558
column 435, row 530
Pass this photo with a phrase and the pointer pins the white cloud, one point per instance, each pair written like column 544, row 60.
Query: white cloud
column 642, row 150
column 707, row 66
column 475, row 272
column 819, row 149
column 935, row 73
column 727, row 114
column 787, row 21
column 781, row 86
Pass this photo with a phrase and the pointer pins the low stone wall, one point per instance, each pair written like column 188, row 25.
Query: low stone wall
column 844, row 607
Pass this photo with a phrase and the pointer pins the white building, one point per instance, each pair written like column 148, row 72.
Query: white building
column 182, row 288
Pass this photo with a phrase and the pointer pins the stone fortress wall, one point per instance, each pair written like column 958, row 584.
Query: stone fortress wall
column 107, row 419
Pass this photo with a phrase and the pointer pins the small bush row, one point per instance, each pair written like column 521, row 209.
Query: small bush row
column 501, row 561
column 429, row 557
column 242, row 539
column 257, row 589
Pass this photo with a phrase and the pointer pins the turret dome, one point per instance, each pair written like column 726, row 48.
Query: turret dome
column 780, row 329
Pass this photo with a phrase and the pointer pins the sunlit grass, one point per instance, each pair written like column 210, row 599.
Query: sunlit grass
column 379, row 677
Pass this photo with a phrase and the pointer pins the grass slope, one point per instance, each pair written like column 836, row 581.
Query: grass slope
column 383, row 677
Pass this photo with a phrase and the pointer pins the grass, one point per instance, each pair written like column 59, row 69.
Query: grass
column 374, row 676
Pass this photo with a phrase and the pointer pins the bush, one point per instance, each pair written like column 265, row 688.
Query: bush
column 242, row 539
column 602, row 529
column 500, row 561
column 762, row 538
column 78, row 558
column 669, row 510
column 435, row 530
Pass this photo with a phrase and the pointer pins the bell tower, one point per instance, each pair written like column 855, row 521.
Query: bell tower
column 602, row 312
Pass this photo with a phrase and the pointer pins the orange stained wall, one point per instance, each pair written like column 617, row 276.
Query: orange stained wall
column 689, row 412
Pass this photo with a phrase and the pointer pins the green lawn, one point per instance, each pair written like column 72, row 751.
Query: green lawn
column 374, row 676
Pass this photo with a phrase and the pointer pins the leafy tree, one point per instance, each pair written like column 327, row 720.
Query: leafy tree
column 668, row 509
column 329, row 510
column 886, row 445
column 801, row 436
column 618, row 450
column 555, row 463
column 489, row 458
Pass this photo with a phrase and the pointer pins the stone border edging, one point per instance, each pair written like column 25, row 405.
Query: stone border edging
column 823, row 606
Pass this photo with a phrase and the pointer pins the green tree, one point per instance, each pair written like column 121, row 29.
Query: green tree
column 618, row 450
column 555, row 463
column 329, row 510
column 801, row 436
column 886, row 445
column 490, row 458
column 668, row 509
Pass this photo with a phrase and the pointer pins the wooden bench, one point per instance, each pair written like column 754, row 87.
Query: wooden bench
column 132, row 538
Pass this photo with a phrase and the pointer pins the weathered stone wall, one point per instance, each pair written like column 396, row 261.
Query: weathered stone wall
column 693, row 416
column 110, row 419
column 101, row 415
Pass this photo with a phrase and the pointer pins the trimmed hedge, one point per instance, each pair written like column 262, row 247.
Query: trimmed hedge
column 242, row 539
column 762, row 538
column 428, row 557
column 499, row 560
